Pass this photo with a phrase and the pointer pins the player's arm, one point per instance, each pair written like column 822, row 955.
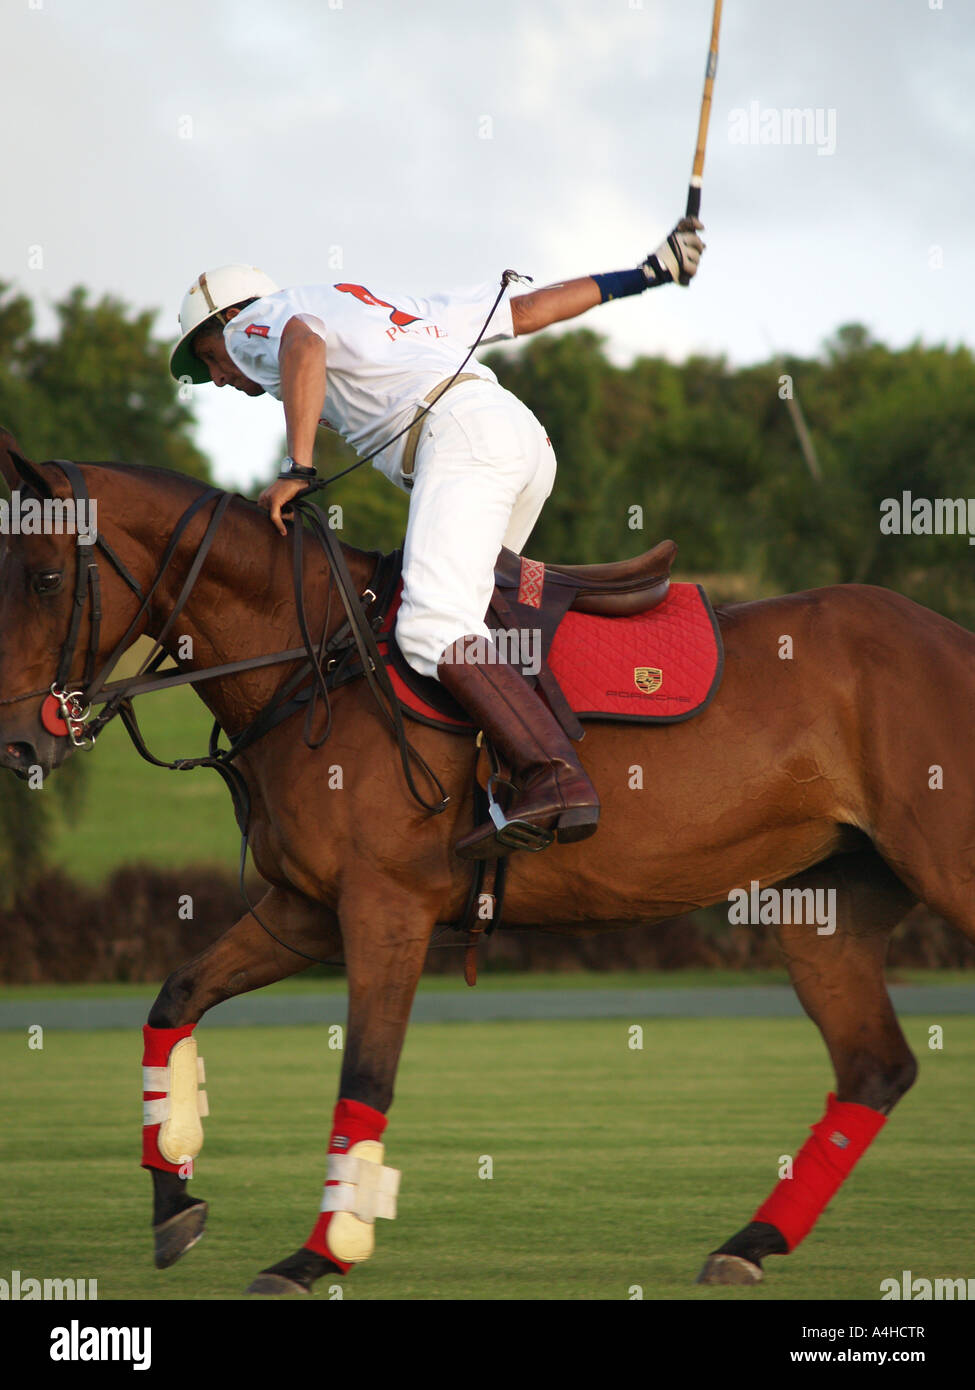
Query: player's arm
column 301, row 363
column 676, row 260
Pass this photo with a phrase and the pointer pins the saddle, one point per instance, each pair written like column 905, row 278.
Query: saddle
column 622, row 627
column 616, row 590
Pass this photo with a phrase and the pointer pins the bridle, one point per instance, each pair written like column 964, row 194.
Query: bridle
column 66, row 712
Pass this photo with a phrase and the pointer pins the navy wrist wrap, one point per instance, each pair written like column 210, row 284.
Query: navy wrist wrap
column 619, row 283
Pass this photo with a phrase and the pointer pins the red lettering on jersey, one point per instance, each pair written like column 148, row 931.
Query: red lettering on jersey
column 398, row 316
column 257, row 330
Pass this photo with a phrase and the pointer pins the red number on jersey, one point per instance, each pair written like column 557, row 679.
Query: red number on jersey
column 360, row 292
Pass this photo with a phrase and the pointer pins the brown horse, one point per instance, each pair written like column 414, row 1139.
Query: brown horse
column 812, row 768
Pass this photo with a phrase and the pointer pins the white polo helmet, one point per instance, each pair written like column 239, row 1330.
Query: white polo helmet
column 207, row 297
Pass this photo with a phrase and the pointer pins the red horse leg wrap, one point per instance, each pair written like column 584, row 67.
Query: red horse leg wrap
column 158, row 1043
column 823, row 1163
column 353, row 1122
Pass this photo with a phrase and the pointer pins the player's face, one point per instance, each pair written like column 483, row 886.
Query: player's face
column 212, row 352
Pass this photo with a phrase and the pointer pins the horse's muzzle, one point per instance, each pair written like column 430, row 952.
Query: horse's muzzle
column 19, row 757
column 25, row 756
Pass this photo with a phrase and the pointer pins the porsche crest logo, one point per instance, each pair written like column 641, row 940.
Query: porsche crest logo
column 647, row 678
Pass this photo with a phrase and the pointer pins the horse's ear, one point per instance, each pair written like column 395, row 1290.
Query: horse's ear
column 17, row 470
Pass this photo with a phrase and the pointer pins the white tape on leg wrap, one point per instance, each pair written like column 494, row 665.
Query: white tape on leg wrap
column 358, row 1190
column 155, row 1111
column 157, row 1078
column 179, row 1110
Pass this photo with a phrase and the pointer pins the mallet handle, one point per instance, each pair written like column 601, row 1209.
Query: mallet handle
column 694, row 190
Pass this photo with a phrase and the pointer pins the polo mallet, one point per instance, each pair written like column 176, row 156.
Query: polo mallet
column 694, row 189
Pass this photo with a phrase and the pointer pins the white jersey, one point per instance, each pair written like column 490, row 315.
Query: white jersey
column 384, row 351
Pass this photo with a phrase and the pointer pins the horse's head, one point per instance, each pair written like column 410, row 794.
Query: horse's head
column 71, row 601
column 42, row 540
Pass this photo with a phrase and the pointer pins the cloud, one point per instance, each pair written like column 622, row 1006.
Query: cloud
column 436, row 144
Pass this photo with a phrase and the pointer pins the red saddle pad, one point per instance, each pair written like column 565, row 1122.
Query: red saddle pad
column 660, row 666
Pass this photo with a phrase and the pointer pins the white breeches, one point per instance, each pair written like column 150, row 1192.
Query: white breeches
column 483, row 470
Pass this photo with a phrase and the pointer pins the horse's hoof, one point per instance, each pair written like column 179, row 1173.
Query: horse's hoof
column 729, row 1269
column 175, row 1236
column 276, row 1286
column 294, row 1275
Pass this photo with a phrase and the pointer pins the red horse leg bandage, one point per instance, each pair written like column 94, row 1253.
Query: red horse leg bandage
column 823, row 1163
column 172, row 1103
column 357, row 1189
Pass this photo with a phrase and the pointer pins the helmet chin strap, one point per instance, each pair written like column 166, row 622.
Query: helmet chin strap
column 222, row 316
column 202, row 282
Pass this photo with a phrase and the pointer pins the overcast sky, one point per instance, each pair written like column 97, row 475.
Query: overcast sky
column 429, row 144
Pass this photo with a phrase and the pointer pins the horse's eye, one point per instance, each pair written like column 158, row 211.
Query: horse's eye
column 47, row 583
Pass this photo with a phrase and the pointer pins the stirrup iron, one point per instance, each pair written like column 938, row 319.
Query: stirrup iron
column 515, row 834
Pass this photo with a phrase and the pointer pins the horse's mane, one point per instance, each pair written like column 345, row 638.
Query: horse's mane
column 175, row 479
column 170, row 475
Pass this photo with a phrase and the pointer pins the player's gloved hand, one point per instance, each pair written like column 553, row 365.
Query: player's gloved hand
column 679, row 256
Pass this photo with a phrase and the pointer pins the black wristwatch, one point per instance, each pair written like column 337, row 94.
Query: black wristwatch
column 295, row 473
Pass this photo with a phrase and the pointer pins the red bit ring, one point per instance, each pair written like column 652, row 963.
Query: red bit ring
column 62, row 716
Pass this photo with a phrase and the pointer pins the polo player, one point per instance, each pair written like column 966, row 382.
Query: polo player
column 372, row 363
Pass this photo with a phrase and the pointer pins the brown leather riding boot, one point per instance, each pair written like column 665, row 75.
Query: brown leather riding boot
column 553, row 796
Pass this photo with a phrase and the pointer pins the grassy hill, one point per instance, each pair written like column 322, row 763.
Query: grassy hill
column 134, row 812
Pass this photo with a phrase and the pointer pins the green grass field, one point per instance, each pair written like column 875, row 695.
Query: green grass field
column 612, row 1168
column 134, row 812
